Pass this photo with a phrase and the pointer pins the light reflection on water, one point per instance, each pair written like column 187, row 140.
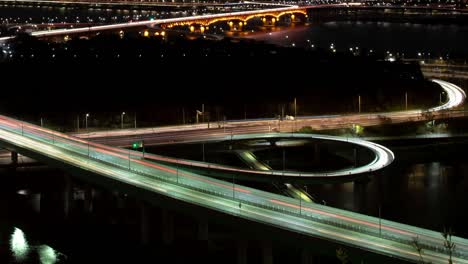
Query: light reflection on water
column 426, row 194
column 19, row 245
column 408, row 38
column 22, row 251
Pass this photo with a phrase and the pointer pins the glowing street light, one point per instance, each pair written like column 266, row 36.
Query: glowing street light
column 121, row 120
column 86, row 121
column 198, row 114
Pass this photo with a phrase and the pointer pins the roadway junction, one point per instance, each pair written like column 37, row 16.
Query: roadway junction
column 81, row 156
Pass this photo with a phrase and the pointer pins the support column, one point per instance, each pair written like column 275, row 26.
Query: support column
column 242, row 252
column 306, row 257
column 88, row 199
column 67, row 195
column 119, row 200
column 203, row 233
column 36, row 202
column 144, row 224
column 14, row 157
column 267, row 252
column 167, row 227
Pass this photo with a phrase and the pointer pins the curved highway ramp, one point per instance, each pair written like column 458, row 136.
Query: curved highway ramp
column 235, row 201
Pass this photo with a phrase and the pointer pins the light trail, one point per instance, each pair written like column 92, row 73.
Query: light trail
column 456, row 97
column 166, row 180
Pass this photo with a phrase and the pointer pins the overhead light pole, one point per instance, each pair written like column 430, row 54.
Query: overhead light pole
column 359, row 102
column 121, row 120
column 295, row 108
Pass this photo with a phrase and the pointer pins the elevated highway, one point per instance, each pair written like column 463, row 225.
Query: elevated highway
column 368, row 233
column 262, row 128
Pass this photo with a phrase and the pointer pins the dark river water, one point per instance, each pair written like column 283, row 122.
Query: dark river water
column 425, row 186
column 431, row 40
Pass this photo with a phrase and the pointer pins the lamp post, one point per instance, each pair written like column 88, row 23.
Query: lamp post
column 203, row 113
column 406, row 100
column 295, row 108
column 121, row 120
column 359, row 103
column 86, row 121
column 183, row 116
column 198, row 114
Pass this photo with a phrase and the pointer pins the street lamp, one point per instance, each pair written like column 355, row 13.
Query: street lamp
column 295, row 108
column 359, row 103
column 121, row 120
column 198, row 114
column 86, row 121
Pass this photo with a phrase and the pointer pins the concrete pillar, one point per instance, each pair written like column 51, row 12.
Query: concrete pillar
column 144, row 223
column 167, row 227
column 14, row 157
column 267, row 252
column 88, row 199
column 119, row 200
column 242, row 252
column 36, row 202
column 67, row 195
column 306, row 257
column 203, row 233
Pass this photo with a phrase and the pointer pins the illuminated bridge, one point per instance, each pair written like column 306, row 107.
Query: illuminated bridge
column 268, row 15
column 97, row 162
column 240, row 19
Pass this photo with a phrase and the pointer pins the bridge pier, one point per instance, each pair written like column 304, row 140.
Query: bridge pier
column 268, row 22
column 203, row 231
column 306, row 257
column 236, row 26
column 89, row 195
column 120, row 202
column 145, row 211
column 242, row 252
column 36, row 202
column 167, row 227
column 14, row 158
column 67, row 195
column 267, row 252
